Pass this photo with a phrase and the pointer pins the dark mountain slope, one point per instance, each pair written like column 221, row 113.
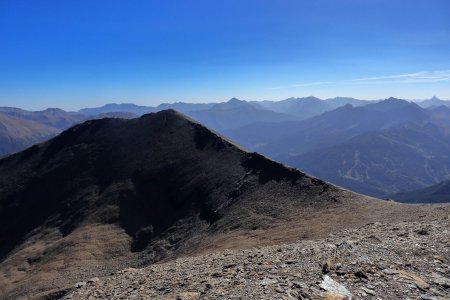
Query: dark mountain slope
column 438, row 193
column 380, row 163
column 110, row 194
column 17, row 134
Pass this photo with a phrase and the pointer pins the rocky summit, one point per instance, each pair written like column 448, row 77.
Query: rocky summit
column 112, row 194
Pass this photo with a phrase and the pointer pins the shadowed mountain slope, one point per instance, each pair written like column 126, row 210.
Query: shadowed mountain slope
column 380, row 163
column 112, row 193
column 438, row 193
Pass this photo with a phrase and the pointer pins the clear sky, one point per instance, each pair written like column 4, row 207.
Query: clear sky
column 78, row 53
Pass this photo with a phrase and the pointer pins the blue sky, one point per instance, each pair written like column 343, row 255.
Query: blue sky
column 73, row 54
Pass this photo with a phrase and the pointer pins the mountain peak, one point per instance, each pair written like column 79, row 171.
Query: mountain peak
column 393, row 99
column 434, row 98
column 232, row 104
column 153, row 183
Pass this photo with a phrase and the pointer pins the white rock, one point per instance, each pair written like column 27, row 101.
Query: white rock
column 330, row 285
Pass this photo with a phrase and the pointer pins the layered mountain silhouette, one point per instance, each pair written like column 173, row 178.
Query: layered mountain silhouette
column 236, row 113
column 113, row 193
column 301, row 108
column 140, row 110
column 283, row 139
column 341, row 101
column 378, row 149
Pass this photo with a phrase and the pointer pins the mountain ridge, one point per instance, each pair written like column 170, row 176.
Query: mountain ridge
column 109, row 194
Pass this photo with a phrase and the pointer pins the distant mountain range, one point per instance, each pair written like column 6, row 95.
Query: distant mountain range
column 20, row 129
column 378, row 149
column 433, row 102
column 374, row 147
column 286, row 139
column 218, row 116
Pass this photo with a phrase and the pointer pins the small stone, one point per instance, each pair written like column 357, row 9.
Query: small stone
column 440, row 258
column 390, row 271
column 267, row 281
column 422, row 232
column 440, row 280
column 327, row 266
column 188, row 295
column 299, row 285
column 418, row 281
column 361, row 274
column 426, row 297
column 93, row 280
column 79, row 284
column 368, row 291
column 334, row 288
column 334, row 296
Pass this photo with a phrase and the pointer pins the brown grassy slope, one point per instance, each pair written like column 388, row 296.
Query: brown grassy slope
column 113, row 193
column 17, row 134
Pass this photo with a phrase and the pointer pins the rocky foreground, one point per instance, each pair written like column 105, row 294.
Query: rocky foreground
column 409, row 260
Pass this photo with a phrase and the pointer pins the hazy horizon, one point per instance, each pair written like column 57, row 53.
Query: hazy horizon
column 156, row 103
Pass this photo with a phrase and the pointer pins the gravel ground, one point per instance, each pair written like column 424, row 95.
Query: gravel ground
column 408, row 260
